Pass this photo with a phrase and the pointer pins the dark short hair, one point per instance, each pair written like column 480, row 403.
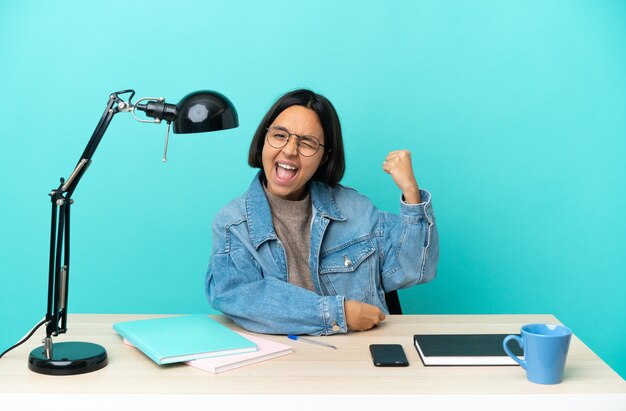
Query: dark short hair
column 333, row 164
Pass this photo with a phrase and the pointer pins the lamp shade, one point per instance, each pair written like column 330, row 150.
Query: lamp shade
column 205, row 110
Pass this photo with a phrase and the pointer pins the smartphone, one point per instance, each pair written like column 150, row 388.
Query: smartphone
column 388, row 355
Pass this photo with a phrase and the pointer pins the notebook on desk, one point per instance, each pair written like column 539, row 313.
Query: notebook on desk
column 183, row 338
column 464, row 349
column 267, row 350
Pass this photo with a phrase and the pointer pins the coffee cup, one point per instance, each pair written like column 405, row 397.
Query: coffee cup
column 545, row 351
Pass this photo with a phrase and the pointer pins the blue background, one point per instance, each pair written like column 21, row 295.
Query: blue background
column 515, row 113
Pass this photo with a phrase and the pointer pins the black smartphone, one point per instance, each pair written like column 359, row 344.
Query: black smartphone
column 388, row 355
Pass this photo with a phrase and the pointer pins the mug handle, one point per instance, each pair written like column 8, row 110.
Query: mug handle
column 520, row 342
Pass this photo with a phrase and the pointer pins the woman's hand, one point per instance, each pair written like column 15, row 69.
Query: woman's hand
column 398, row 164
column 361, row 316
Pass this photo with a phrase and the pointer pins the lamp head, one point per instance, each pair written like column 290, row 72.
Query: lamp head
column 197, row 112
column 202, row 111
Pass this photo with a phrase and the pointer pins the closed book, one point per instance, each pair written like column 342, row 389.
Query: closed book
column 183, row 338
column 267, row 350
column 464, row 349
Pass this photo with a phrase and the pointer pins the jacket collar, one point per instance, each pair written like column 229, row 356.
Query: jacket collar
column 259, row 215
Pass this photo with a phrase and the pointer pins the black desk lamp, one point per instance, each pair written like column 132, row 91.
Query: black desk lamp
column 197, row 112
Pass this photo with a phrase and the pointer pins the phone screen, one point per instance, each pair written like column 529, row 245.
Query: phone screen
column 388, row 355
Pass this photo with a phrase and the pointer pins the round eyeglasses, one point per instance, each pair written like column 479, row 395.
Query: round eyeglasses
column 278, row 137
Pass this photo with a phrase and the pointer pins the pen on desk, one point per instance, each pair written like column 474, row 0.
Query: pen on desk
column 308, row 340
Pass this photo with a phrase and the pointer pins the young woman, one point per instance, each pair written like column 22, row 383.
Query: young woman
column 300, row 254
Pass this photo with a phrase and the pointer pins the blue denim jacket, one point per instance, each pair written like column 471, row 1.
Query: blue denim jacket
column 357, row 253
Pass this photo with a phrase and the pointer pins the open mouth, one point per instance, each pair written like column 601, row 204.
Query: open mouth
column 285, row 172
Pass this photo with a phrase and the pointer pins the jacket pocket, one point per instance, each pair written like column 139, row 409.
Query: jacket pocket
column 346, row 270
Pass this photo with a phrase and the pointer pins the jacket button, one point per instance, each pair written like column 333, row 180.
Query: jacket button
column 346, row 261
column 336, row 328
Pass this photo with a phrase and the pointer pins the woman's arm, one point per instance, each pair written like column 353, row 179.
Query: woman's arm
column 410, row 241
column 239, row 287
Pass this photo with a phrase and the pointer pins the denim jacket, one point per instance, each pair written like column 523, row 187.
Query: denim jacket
column 357, row 253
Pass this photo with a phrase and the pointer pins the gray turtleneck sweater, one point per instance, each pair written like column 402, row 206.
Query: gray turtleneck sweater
column 292, row 222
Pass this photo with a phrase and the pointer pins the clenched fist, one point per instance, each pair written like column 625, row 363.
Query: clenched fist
column 361, row 316
column 398, row 164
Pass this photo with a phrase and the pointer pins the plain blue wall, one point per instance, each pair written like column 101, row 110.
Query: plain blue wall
column 515, row 113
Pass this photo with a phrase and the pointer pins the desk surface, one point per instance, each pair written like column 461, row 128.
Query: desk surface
column 314, row 370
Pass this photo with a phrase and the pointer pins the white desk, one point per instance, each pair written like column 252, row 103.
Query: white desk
column 312, row 377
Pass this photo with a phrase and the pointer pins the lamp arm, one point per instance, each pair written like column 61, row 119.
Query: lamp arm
column 58, row 275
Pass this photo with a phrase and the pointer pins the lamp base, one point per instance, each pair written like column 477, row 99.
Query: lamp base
column 68, row 358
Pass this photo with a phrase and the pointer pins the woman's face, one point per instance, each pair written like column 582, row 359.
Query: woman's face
column 287, row 171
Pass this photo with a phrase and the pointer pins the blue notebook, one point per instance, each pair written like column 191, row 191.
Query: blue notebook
column 183, row 338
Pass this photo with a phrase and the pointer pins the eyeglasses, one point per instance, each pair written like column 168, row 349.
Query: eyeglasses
column 278, row 137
